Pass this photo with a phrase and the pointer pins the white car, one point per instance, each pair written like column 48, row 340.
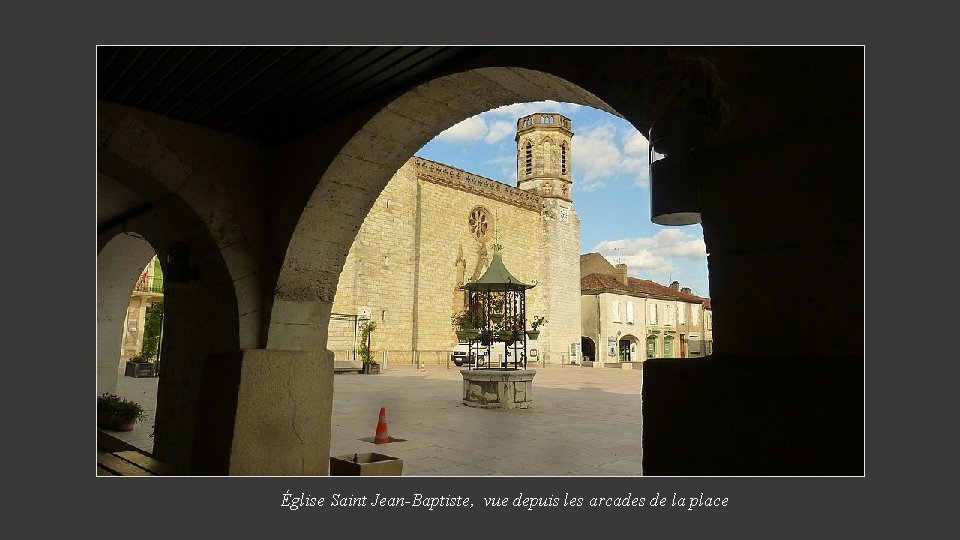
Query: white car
column 462, row 355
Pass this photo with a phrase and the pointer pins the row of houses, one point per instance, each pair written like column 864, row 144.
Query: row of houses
column 626, row 319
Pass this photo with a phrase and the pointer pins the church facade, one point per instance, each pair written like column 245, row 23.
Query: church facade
column 432, row 230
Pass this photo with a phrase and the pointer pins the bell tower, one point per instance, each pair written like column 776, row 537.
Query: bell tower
column 543, row 167
column 543, row 155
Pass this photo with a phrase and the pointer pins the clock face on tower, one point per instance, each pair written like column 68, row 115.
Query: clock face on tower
column 564, row 216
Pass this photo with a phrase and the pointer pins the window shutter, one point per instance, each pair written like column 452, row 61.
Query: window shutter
column 630, row 312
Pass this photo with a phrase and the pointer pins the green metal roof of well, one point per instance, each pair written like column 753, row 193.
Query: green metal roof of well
column 497, row 277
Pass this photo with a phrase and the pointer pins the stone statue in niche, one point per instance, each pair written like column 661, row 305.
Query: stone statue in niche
column 482, row 261
column 460, row 296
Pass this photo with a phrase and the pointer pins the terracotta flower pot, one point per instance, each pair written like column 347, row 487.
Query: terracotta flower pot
column 114, row 423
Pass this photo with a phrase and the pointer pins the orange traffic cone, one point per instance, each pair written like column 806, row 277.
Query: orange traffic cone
column 381, row 436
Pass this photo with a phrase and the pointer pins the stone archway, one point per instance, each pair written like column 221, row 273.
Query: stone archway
column 119, row 264
column 347, row 189
column 158, row 162
column 337, row 204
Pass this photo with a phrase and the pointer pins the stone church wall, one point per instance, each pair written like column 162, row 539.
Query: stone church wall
column 418, row 244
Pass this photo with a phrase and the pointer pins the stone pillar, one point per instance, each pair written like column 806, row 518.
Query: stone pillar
column 265, row 412
column 783, row 392
column 783, row 224
column 118, row 266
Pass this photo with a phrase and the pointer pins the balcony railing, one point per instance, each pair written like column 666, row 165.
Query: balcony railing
column 149, row 284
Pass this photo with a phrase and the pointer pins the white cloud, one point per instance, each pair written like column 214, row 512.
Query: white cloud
column 588, row 186
column 598, row 155
column 499, row 130
column 637, row 162
column 471, row 129
column 635, row 144
column 694, row 249
column 655, row 254
column 639, row 169
column 595, row 153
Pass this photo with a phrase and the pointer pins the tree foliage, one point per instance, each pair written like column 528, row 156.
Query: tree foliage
column 363, row 349
column 151, row 330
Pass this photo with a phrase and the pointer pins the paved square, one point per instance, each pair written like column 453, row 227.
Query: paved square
column 582, row 422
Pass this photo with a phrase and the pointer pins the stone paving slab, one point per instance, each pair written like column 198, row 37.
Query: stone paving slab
column 581, row 422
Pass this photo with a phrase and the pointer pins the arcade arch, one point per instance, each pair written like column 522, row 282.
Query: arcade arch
column 268, row 268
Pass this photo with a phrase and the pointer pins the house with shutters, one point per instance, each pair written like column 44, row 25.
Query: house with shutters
column 629, row 320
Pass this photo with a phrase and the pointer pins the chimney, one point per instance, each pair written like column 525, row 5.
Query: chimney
column 675, row 285
column 686, row 290
column 622, row 273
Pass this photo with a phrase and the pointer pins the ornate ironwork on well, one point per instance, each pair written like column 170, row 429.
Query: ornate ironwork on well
column 496, row 314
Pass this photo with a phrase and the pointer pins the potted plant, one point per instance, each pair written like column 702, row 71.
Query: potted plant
column 487, row 336
column 116, row 413
column 370, row 366
column 510, row 328
column 468, row 323
column 139, row 365
column 535, row 325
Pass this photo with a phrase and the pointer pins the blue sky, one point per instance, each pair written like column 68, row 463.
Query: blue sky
column 611, row 187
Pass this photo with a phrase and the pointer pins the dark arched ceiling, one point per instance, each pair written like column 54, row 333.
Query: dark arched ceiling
column 268, row 93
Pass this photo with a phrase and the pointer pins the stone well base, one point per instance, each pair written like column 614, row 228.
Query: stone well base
column 498, row 388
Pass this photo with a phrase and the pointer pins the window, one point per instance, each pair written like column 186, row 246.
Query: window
column 629, row 312
column 651, row 313
column 708, row 319
column 563, row 159
column 671, row 315
column 682, row 311
column 695, row 315
column 615, row 311
column 480, row 222
column 528, row 159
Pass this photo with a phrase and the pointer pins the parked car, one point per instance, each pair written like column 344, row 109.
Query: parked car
column 461, row 353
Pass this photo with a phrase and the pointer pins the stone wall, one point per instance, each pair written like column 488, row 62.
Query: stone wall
column 417, row 246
